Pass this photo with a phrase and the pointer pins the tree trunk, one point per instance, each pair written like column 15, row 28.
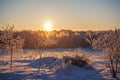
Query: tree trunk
column 114, row 75
column 11, row 59
column 40, row 61
column 113, row 72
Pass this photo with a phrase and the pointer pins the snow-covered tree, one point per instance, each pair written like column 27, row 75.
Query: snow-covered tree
column 109, row 43
column 10, row 42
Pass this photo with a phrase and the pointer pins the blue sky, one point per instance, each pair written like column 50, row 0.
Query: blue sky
column 63, row 14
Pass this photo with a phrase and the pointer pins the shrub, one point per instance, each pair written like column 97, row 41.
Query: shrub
column 80, row 61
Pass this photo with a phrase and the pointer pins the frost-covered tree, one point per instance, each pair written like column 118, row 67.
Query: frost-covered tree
column 10, row 42
column 109, row 43
column 43, row 43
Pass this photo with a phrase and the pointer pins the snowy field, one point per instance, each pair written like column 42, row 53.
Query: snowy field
column 52, row 68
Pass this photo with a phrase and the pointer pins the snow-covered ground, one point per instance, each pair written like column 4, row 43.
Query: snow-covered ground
column 25, row 66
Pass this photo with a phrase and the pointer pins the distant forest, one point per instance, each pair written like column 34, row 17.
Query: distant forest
column 64, row 38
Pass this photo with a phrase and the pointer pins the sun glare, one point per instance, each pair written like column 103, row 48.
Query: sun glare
column 48, row 26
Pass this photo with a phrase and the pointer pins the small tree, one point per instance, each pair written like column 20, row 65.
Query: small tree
column 43, row 43
column 9, row 42
column 110, row 44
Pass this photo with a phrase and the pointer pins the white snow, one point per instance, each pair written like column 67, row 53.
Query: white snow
column 25, row 66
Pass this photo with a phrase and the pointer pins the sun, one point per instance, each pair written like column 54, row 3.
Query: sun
column 48, row 26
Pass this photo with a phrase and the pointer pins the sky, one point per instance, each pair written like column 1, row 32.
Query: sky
column 63, row 14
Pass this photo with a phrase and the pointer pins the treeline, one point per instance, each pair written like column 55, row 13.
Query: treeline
column 64, row 38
